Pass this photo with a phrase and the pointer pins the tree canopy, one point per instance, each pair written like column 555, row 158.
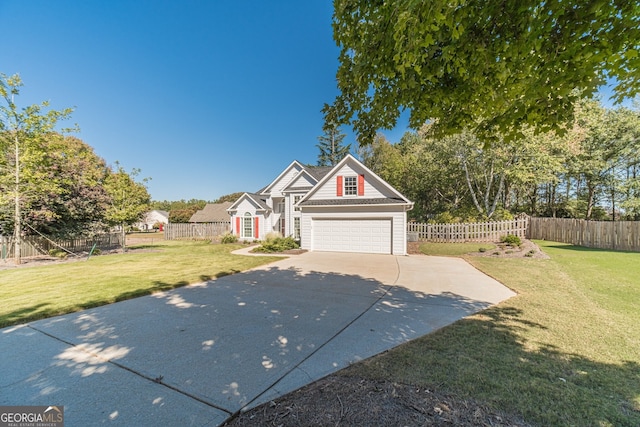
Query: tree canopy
column 490, row 67
column 591, row 172
column 23, row 153
column 129, row 198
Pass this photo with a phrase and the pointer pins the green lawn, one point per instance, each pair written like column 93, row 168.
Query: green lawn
column 565, row 351
column 38, row 292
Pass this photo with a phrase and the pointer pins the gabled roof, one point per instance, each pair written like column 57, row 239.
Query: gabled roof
column 259, row 199
column 313, row 173
column 396, row 198
column 212, row 212
column 293, row 164
column 318, row 172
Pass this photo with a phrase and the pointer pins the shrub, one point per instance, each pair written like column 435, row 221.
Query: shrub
column 277, row 244
column 228, row 238
column 482, row 250
column 511, row 239
column 58, row 253
column 273, row 235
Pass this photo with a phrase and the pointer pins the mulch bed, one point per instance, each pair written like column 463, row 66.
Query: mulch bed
column 350, row 401
column 527, row 249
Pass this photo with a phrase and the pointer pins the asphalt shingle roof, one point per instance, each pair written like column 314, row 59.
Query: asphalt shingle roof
column 212, row 212
column 354, row 201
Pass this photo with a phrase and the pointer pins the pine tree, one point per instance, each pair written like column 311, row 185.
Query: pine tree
column 330, row 146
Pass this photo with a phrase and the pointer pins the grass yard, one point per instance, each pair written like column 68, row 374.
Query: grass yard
column 37, row 292
column 564, row 352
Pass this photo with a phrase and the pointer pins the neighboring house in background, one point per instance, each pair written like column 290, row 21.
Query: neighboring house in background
column 344, row 208
column 212, row 212
column 152, row 218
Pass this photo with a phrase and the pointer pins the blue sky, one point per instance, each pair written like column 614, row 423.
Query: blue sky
column 206, row 97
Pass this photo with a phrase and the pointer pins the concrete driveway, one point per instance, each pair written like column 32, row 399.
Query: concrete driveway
column 196, row 355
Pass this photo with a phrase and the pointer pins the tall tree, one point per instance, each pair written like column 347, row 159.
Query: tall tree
column 330, row 146
column 129, row 199
column 79, row 205
column 483, row 65
column 23, row 143
column 629, row 134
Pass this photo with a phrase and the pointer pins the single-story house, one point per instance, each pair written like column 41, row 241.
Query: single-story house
column 212, row 212
column 152, row 218
column 344, row 208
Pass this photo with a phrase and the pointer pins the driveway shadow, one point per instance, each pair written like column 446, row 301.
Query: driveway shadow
column 224, row 345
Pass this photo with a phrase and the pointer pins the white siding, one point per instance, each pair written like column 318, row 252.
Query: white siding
column 265, row 220
column 372, row 188
column 303, row 180
column 291, row 213
column 276, row 188
column 246, row 206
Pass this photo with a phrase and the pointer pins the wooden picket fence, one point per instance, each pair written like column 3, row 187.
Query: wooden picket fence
column 469, row 232
column 196, row 231
column 618, row 235
column 33, row 246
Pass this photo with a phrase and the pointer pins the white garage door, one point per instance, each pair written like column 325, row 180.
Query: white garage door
column 352, row 235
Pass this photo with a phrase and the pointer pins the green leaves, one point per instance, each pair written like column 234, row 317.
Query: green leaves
column 479, row 65
column 129, row 199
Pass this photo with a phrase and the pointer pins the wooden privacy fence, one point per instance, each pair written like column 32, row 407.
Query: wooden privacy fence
column 469, row 232
column 205, row 231
column 619, row 235
column 37, row 245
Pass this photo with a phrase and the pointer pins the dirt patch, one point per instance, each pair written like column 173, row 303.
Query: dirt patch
column 527, row 249
column 350, row 401
column 47, row 260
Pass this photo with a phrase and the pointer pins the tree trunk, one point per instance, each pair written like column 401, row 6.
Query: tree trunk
column 124, row 237
column 590, row 200
column 553, row 200
column 497, row 196
column 17, row 219
column 470, row 185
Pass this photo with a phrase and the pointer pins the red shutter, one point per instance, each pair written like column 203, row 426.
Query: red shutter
column 256, row 231
column 238, row 226
column 339, row 186
column 360, row 185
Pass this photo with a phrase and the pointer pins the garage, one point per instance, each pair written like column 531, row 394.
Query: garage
column 352, row 235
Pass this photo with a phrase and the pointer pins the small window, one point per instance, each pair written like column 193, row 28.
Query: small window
column 350, row 186
column 296, row 228
column 247, row 225
column 280, row 206
column 296, row 199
